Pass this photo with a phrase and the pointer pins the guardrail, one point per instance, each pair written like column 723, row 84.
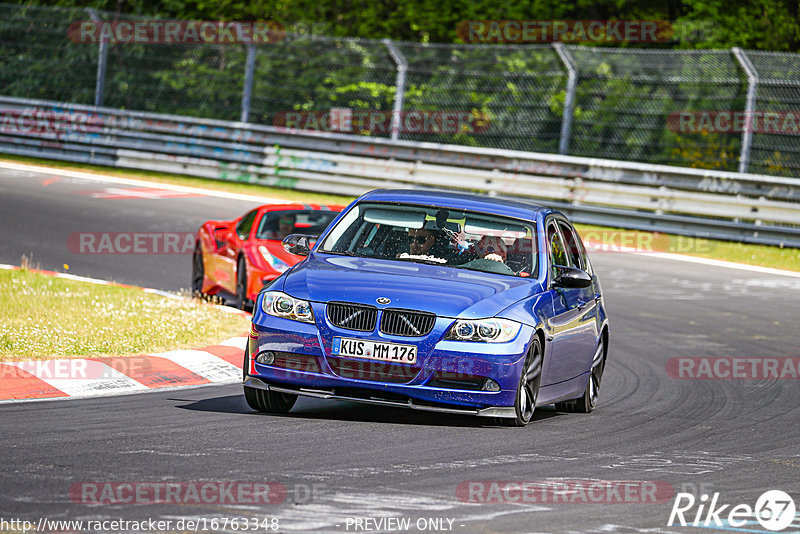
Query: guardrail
column 723, row 205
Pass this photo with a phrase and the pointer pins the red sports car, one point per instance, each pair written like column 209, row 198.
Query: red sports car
column 233, row 259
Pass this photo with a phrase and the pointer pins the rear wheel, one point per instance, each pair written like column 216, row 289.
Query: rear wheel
column 198, row 272
column 588, row 401
column 528, row 388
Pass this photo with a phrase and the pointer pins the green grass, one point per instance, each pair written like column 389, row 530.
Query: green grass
column 43, row 316
column 761, row 255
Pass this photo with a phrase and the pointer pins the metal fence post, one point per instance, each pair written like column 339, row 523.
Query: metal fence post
column 400, row 86
column 249, row 70
column 569, row 99
column 752, row 86
column 102, row 59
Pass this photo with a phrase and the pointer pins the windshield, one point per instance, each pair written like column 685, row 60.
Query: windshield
column 279, row 224
column 440, row 236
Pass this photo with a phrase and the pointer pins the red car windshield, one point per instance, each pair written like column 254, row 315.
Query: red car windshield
column 279, row 224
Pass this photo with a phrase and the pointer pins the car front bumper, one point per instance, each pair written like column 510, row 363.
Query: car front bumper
column 443, row 379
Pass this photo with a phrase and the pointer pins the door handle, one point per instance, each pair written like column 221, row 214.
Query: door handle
column 597, row 297
column 581, row 304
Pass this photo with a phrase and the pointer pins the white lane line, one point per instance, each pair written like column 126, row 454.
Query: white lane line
column 104, row 178
column 207, row 365
column 81, row 378
column 720, row 263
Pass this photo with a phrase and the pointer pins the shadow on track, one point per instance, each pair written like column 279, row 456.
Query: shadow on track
column 314, row 409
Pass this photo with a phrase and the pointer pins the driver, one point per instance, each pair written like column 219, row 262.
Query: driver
column 420, row 241
column 286, row 225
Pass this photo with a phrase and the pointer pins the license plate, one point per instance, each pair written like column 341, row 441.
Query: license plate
column 374, row 350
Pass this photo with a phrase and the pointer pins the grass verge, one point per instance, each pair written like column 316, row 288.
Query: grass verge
column 760, row 255
column 42, row 317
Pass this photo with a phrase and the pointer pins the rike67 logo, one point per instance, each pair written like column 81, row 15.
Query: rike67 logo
column 774, row 511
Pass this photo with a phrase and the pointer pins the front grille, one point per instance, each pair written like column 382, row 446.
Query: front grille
column 407, row 323
column 352, row 316
column 374, row 371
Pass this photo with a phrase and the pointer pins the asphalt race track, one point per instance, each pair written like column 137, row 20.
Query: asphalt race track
column 339, row 462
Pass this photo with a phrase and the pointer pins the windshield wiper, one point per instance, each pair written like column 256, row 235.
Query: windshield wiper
column 339, row 252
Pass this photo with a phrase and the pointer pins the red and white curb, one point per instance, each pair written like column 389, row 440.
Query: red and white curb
column 94, row 377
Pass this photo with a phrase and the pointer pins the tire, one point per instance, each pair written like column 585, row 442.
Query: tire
column 246, row 363
column 528, row 387
column 268, row 401
column 198, row 272
column 265, row 401
column 588, row 401
column 241, row 286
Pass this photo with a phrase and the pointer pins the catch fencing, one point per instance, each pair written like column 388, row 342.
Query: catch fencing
column 586, row 101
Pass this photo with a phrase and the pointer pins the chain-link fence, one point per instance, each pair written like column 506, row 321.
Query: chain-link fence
column 687, row 108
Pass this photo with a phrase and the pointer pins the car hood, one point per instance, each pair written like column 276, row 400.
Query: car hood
column 445, row 291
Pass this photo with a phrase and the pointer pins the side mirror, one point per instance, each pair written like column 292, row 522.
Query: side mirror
column 298, row 244
column 572, row 277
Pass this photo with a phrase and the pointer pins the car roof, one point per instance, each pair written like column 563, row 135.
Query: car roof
column 300, row 206
column 518, row 208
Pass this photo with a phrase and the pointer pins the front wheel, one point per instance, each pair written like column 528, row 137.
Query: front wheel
column 265, row 401
column 241, row 286
column 528, row 388
column 588, row 401
column 268, row 401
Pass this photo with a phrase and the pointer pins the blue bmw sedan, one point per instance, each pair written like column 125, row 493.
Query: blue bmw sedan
column 432, row 300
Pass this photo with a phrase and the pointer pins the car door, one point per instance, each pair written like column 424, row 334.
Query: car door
column 587, row 297
column 569, row 326
column 233, row 244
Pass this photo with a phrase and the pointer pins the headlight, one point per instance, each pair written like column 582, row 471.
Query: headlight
column 282, row 305
column 272, row 261
column 483, row 330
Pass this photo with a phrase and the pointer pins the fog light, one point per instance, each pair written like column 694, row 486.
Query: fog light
column 266, row 358
column 491, row 385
